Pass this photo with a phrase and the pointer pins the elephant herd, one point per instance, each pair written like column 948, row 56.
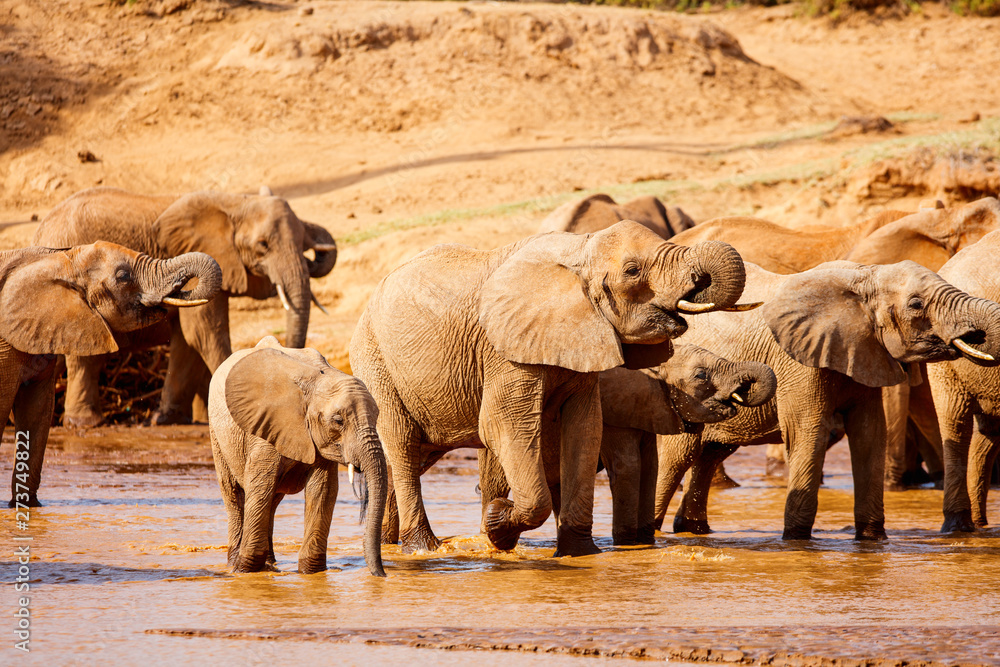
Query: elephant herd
column 622, row 336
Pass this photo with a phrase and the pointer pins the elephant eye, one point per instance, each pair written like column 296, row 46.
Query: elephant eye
column 262, row 246
column 631, row 270
column 337, row 419
column 916, row 303
column 123, row 275
column 701, row 374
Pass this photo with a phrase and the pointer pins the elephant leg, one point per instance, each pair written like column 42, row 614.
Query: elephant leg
column 692, row 514
column 178, row 386
column 579, row 452
column 982, row 453
column 646, row 530
column 492, row 482
column 200, row 380
column 675, row 455
column 261, row 476
column 924, row 416
column 83, row 392
column 206, row 330
column 232, row 498
column 956, row 434
column 895, row 403
column 271, row 563
column 806, row 436
column 510, row 425
column 775, row 465
column 320, row 496
column 33, row 407
column 866, row 436
column 620, row 455
column 390, row 518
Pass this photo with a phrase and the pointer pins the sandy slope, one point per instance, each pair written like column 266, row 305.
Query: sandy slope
column 368, row 113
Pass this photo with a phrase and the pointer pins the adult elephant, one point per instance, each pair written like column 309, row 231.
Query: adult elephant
column 257, row 240
column 834, row 335
column 693, row 388
column 501, row 349
column 76, row 301
column 966, row 398
column 596, row 212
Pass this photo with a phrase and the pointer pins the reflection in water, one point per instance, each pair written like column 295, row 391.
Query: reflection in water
column 134, row 522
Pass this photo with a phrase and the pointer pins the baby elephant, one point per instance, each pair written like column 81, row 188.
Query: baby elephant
column 692, row 388
column 281, row 419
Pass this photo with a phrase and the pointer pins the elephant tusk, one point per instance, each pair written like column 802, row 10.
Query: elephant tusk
column 284, row 299
column 325, row 247
column 350, row 473
column 736, row 397
column 686, row 306
column 743, row 307
column 184, row 303
column 318, row 304
column 970, row 351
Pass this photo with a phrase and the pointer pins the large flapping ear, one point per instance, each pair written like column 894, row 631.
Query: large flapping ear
column 535, row 310
column 564, row 218
column 899, row 241
column 820, row 321
column 633, row 399
column 266, row 395
column 197, row 223
column 43, row 310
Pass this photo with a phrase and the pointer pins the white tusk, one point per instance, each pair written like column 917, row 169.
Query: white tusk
column 319, row 305
column 284, row 299
column 970, row 351
column 265, row 191
column 325, row 247
column 183, row 303
column 350, row 473
column 687, row 307
column 743, row 307
column 736, row 397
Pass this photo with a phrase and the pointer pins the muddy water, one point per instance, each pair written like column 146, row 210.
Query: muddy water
column 132, row 539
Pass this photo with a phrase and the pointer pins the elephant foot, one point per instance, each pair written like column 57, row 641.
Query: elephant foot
column 958, row 522
column 774, row 467
column 658, row 524
column 721, row 480
column 894, row 485
column 792, row 533
column 390, row 536
column 500, row 528
column 646, row 535
column 256, row 563
column 624, row 538
column 694, row 526
column 870, row 531
column 574, row 542
column 165, row 417
column 83, row 419
column 32, row 502
column 312, row 565
column 420, row 540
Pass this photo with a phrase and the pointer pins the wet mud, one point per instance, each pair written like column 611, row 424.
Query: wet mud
column 131, row 543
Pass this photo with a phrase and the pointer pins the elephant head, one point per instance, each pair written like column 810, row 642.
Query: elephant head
column 306, row 408
column 694, row 386
column 599, row 211
column 259, row 234
column 592, row 302
column 865, row 321
column 73, row 301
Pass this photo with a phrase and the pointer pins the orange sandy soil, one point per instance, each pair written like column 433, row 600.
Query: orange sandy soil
column 399, row 125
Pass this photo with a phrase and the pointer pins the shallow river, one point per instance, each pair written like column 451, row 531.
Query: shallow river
column 132, row 540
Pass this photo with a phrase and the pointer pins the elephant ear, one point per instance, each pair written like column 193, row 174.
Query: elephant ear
column 46, row 312
column 634, row 399
column 197, row 223
column 820, row 321
column 535, row 310
column 266, row 393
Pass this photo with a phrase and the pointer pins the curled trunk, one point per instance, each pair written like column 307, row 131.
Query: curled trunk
column 165, row 278
column 972, row 325
column 718, row 272
column 757, row 383
column 321, row 242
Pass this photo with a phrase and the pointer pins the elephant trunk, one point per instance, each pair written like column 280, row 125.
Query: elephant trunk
column 756, row 383
column 296, row 296
column 321, row 242
column 161, row 280
column 718, row 272
column 976, row 331
column 372, row 464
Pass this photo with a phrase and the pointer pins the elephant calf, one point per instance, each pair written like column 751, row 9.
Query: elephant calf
column 280, row 420
column 76, row 301
column 692, row 388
